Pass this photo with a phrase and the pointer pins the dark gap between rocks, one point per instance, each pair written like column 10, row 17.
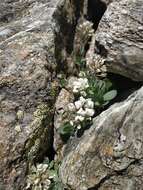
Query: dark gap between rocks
column 7, row 18
column 124, row 86
column 100, row 49
column 96, row 10
column 51, row 152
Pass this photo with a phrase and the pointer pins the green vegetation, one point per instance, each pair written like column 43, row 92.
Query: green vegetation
column 44, row 176
column 66, row 130
column 100, row 91
column 91, row 95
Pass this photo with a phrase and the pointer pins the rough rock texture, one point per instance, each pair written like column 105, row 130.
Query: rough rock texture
column 67, row 18
column 110, row 154
column 119, row 38
column 36, row 42
column 27, row 66
column 65, row 97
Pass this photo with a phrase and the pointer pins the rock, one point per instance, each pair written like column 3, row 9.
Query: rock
column 27, row 69
column 119, row 38
column 110, row 153
column 66, row 17
column 65, row 97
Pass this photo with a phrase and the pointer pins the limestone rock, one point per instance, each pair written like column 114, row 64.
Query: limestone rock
column 27, row 66
column 65, row 97
column 110, row 154
column 119, row 38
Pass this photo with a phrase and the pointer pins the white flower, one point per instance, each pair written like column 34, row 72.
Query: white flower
column 71, row 122
column 81, row 112
column 77, row 83
column 36, row 181
column 47, row 182
column 79, row 118
column 71, row 107
column 83, row 93
column 75, row 89
column 82, row 99
column 79, row 127
column 89, row 103
column 84, row 83
column 42, row 167
column 79, row 104
column 89, row 112
column 80, row 84
column 82, row 74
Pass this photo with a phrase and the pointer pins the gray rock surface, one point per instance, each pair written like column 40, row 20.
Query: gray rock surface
column 119, row 38
column 110, row 154
column 27, row 66
column 34, row 36
column 64, row 98
column 36, row 40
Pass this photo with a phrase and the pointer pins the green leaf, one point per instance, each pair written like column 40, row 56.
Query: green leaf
column 52, row 174
column 110, row 95
column 66, row 131
column 46, row 161
column 67, row 128
column 91, row 92
column 108, row 84
column 56, row 186
column 79, row 61
column 106, row 103
column 63, row 83
column 97, row 104
column 51, row 165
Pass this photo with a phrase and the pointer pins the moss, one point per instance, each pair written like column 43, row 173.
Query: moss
column 40, row 138
column 42, row 112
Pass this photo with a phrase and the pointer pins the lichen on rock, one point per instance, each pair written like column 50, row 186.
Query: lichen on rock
column 40, row 138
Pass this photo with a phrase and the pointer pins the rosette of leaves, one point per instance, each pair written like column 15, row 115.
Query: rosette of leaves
column 54, row 176
column 65, row 131
column 38, row 178
column 100, row 91
column 44, row 176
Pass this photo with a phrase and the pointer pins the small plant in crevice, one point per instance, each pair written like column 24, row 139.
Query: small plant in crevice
column 62, row 79
column 91, row 95
column 100, row 91
column 44, row 176
column 83, row 33
column 66, row 130
column 80, row 63
column 81, row 112
column 91, row 89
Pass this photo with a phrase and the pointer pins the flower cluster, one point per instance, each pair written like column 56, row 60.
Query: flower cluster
column 38, row 179
column 79, row 85
column 44, row 176
column 96, row 65
column 83, row 110
column 83, row 33
column 85, row 30
column 90, row 94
